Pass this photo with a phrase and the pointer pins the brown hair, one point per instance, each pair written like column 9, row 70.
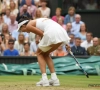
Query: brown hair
column 36, row 14
column 14, row 4
column 59, row 9
column 2, row 28
column 71, row 8
column 77, row 38
column 21, row 34
column 85, row 27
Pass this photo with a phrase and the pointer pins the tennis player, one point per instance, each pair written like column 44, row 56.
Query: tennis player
column 52, row 36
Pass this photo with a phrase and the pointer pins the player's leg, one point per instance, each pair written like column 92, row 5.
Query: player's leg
column 54, row 80
column 42, row 63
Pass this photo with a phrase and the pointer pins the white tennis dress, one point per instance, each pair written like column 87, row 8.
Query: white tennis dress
column 53, row 33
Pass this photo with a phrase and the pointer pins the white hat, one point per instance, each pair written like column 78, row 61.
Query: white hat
column 21, row 23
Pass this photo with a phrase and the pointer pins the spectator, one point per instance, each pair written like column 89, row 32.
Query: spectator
column 7, row 2
column 1, row 23
column 23, row 13
column 5, row 29
column 6, row 39
column 72, row 40
column 88, row 42
column 83, row 31
column 1, row 45
column 6, row 17
column 15, row 35
column 27, row 51
column 13, row 24
column 92, row 5
column 37, row 3
column 11, row 51
column 34, row 45
column 58, row 15
column 95, row 49
column 38, row 14
column 19, row 43
column 31, row 8
column 70, row 17
column 69, row 28
column 76, row 24
column 77, row 49
column 44, row 9
column 60, row 52
column 13, row 8
column 22, row 2
column 60, row 21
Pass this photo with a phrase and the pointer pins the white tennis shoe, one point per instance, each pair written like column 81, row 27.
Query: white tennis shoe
column 54, row 82
column 43, row 83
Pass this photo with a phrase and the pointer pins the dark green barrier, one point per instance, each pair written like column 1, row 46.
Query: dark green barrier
column 63, row 65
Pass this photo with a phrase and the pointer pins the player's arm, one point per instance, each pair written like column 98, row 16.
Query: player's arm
column 31, row 26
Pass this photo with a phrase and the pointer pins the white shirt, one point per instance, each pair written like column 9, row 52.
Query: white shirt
column 6, row 19
column 76, row 27
column 46, row 12
column 86, row 44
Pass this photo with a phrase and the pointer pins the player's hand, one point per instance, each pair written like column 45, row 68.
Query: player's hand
column 68, row 48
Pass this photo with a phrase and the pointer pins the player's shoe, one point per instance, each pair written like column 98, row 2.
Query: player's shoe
column 43, row 83
column 54, row 82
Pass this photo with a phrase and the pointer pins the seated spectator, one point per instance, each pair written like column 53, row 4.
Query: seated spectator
column 88, row 42
column 6, row 17
column 77, row 49
column 22, row 2
column 60, row 21
column 38, row 14
column 34, row 45
column 44, row 9
column 70, row 17
column 15, row 35
column 58, row 15
column 95, row 49
column 69, row 28
column 19, row 43
column 82, row 33
column 1, row 23
column 37, row 3
column 92, row 5
column 27, row 51
column 23, row 13
column 5, row 29
column 13, row 24
column 11, row 51
column 72, row 40
column 13, row 8
column 6, row 39
column 31, row 8
column 60, row 52
column 76, row 24
column 2, row 48
column 7, row 2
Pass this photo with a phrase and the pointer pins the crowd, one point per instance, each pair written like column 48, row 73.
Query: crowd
column 13, row 43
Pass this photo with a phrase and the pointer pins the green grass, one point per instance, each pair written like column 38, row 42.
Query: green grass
column 67, row 83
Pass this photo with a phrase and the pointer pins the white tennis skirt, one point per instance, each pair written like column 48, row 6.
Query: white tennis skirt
column 53, row 35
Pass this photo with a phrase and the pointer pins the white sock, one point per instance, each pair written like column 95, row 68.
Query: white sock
column 44, row 76
column 53, row 76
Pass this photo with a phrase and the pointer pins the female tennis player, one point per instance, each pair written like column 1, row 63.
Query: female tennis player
column 52, row 36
